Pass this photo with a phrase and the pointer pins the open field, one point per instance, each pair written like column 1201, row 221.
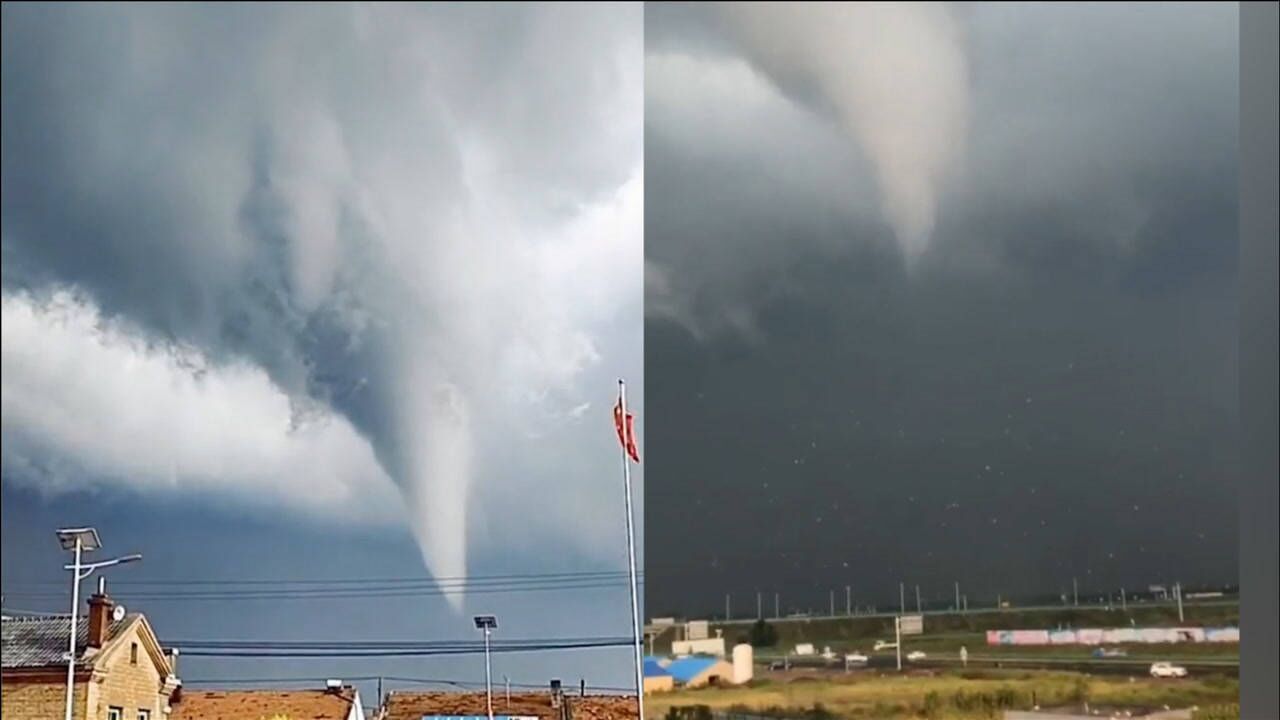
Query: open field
column 945, row 695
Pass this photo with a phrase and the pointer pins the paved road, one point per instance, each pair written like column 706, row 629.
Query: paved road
column 1121, row 666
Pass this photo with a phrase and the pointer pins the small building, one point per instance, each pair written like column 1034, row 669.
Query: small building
column 337, row 702
column 699, row 671
column 121, row 671
column 706, row 646
column 656, row 678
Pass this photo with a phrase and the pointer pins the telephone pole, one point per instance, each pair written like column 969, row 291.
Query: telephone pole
column 727, row 615
column 848, row 600
column 1075, row 593
column 1177, row 588
column 902, row 598
column 833, row 603
column 918, row 605
column 957, row 596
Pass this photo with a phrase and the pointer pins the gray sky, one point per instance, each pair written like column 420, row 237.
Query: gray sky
column 1003, row 354
column 364, row 269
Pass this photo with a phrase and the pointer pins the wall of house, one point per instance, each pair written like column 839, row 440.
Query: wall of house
column 25, row 700
column 659, row 683
column 721, row 673
column 126, row 685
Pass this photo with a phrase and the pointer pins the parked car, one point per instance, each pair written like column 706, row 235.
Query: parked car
column 1167, row 670
column 1109, row 653
column 856, row 658
column 880, row 645
column 916, row 655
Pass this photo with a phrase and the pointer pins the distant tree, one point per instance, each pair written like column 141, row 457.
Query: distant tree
column 763, row 634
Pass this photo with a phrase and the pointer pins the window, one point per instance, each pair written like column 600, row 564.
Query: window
column 115, row 713
column 144, row 715
column 133, row 654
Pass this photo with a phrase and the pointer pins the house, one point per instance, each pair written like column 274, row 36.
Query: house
column 121, row 671
column 553, row 705
column 335, row 702
column 656, row 677
column 696, row 671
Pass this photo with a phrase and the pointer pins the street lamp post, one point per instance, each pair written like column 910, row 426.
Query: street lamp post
column 80, row 541
column 487, row 623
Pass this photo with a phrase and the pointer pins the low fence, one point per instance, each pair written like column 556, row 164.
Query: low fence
column 1113, row 636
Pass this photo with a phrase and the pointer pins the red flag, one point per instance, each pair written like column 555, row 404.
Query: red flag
column 626, row 431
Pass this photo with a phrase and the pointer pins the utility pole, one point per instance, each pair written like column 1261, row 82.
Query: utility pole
column 999, row 601
column 902, row 598
column 848, row 600
column 1177, row 588
column 965, row 597
column 777, row 607
column 1075, row 593
column 759, row 607
column 487, row 624
column 833, row 604
column 1124, row 605
column 918, row 606
column 727, row 616
column 957, row 596
column 79, row 541
column 897, row 639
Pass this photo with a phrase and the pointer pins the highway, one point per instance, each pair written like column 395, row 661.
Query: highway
column 1125, row 666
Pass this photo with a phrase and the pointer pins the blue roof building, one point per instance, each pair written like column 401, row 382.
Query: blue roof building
column 696, row 671
column 653, row 669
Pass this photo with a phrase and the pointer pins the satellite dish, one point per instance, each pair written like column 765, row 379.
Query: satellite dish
column 118, row 613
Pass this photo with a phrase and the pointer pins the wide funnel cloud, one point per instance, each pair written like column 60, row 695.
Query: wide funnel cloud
column 405, row 237
column 895, row 75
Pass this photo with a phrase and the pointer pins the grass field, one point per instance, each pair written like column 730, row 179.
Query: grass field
column 967, row 695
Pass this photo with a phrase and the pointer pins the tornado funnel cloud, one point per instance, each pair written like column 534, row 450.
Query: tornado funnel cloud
column 895, row 75
column 437, row 446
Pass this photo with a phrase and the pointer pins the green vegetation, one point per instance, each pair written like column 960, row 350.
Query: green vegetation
column 1226, row 711
column 763, row 635
column 968, row 695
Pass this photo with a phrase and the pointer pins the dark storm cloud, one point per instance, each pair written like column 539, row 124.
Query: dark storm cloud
column 1046, row 391
column 420, row 224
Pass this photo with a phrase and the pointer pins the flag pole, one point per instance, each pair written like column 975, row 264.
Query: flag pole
column 631, row 558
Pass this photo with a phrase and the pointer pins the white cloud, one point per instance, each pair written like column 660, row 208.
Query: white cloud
column 428, row 217
column 97, row 403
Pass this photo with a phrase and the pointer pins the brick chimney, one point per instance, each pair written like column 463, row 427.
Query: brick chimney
column 99, row 616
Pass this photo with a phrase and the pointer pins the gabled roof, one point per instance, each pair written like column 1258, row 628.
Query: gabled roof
column 254, row 704
column 414, row 705
column 688, row 668
column 40, row 642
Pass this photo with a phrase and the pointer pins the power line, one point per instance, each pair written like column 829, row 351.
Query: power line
column 401, row 652
column 440, row 580
column 375, row 644
column 350, row 592
column 388, row 678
